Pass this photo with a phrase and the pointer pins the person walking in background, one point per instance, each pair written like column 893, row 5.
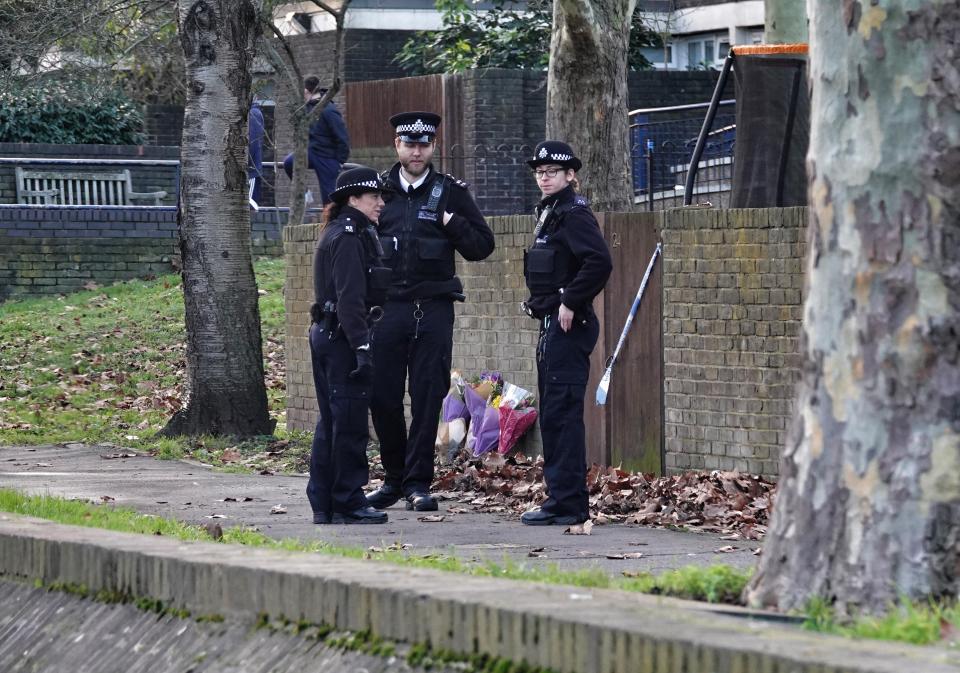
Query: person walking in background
column 567, row 265
column 349, row 287
column 329, row 146
column 428, row 218
column 255, row 135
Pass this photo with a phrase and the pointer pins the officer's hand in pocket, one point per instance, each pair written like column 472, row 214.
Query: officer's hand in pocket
column 364, row 370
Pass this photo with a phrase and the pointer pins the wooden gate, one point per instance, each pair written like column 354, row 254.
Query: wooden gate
column 628, row 430
column 369, row 106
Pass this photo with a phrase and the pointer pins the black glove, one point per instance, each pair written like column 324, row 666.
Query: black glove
column 364, row 368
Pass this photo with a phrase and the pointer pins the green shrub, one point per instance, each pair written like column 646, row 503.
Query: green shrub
column 53, row 112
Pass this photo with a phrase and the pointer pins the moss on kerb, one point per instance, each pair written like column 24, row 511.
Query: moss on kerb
column 365, row 642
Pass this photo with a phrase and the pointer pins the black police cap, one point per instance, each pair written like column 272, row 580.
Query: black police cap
column 554, row 152
column 416, row 127
column 356, row 181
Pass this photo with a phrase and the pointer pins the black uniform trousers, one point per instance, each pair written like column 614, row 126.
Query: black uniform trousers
column 338, row 460
column 563, row 366
column 405, row 346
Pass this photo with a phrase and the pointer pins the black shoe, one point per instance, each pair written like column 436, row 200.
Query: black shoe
column 421, row 501
column 321, row 517
column 384, row 496
column 362, row 515
column 541, row 517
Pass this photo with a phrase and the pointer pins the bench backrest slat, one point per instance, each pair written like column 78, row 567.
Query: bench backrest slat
column 73, row 187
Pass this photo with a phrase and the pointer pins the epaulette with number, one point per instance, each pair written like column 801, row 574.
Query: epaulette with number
column 457, row 181
column 349, row 228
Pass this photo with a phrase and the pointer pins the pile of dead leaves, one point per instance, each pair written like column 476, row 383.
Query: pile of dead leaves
column 735, row 505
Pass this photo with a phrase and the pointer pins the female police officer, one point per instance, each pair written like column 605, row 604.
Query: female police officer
column 349, row 287
column 566, row 266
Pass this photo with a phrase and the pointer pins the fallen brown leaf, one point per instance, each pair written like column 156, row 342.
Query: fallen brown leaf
column 431, row 518
column 580, row 529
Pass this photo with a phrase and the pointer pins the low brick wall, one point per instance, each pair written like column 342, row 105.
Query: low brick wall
column 732, row 285
column 490, row 333
column 732, row 304
column 52, row 250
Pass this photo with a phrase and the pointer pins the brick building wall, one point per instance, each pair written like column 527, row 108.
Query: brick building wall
column 53, row 250
column 732, row 306
column 163, row 124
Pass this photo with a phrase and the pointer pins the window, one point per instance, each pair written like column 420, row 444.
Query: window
column 694, row 54
column 709, row 55
column 723, row 49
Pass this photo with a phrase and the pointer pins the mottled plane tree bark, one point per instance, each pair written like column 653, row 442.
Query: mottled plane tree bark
column 785, row 21
column 587, row 94
column 868, row 505
column 226, row 390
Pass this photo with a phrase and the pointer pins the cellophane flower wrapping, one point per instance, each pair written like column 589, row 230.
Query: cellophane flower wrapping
column 516, row 415
column 452, row 430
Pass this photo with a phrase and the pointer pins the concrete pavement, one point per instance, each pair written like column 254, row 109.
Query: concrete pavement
column 193, row 493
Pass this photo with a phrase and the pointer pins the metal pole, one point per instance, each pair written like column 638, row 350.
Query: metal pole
column 705, row 131
column 650, row 145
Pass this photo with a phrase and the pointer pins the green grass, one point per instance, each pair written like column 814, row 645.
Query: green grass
column 717, row 583
column 907, row 621
column 107, row 366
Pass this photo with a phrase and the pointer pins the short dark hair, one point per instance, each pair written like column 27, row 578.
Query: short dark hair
column 311, row 83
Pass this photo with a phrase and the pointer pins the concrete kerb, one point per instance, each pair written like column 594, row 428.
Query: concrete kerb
column 562, row 628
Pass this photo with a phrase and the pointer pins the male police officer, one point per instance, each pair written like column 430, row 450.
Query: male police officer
column 427, row 218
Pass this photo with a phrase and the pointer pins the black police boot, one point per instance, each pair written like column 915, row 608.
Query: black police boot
column 543, row 517
column 321, row 517
column 422, row 501
column 362, row 515
column 384, row 496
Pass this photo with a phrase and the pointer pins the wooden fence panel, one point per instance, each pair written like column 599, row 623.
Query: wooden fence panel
column 628, row 430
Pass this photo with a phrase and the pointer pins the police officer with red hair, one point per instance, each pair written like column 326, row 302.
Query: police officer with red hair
column 349, row 287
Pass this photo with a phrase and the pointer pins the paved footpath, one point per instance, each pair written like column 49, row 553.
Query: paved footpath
column 196, row 494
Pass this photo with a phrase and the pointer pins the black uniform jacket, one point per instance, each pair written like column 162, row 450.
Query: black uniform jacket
column 568, row 262
column 344, row 265
column 418, row 246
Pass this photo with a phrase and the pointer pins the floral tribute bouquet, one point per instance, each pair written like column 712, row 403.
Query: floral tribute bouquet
column 481, row 398
column 452, row 431
column 516, row 415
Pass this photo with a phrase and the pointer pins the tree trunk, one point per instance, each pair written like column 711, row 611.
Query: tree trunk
column 868, row 506
column 785, row 21
column 227, row 395
column 587, row 94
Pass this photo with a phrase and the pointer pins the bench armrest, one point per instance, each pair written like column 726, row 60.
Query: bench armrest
column 156, row 196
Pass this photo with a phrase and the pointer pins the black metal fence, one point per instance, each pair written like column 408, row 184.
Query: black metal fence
column 662, row 141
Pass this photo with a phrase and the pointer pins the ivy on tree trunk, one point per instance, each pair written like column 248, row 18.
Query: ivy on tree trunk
column 587, row 94
column 868, row 505
column 227, row 394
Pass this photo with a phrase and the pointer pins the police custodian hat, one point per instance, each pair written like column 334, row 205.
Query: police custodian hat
column 554, row 152
column 416, row 127
column 356, row 181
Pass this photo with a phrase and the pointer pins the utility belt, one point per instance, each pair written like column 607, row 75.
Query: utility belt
column 325, row 315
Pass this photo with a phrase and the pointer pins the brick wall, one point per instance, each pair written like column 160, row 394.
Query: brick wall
column 732, row 282
column 53, row 250
column 732, row 306
column 490, row 332
column 163, row 124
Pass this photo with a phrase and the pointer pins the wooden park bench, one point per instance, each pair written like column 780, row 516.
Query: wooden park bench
column 80, row 188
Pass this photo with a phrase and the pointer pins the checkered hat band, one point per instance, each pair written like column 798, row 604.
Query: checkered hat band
column 372, row 184
column 561, row 157
column 417, row 127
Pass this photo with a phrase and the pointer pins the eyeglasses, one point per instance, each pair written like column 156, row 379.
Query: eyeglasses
column 542, row 173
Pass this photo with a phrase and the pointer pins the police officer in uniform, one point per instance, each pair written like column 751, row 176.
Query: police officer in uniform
column 349, row 287
column 566, row 266
column 428, row 218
